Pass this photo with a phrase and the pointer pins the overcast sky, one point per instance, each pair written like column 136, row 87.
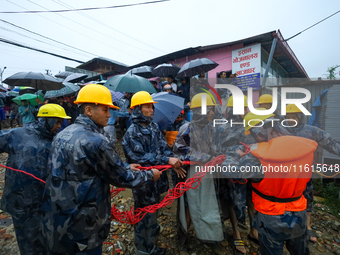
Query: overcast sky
column 134, row 34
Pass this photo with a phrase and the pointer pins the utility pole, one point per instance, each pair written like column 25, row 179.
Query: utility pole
column 1, row 72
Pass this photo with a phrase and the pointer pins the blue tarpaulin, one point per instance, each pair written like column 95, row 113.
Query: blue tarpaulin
column 314, row 119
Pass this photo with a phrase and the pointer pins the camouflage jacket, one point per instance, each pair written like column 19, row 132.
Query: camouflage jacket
column 82, row 165
column 191, row 144
column 147, row 146
column 28, row 150
column 324, row 139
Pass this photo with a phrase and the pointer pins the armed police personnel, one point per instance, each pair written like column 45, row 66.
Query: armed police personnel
column 82, row 165
column 199, row 205
column 324, row 140
column 144, row 143
column 28, row 150
column 277, row 195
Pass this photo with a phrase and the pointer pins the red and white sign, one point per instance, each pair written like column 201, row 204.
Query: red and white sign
column 247, row 60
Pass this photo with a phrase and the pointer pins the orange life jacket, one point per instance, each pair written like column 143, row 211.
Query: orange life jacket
column 289, row 161
column 170, row 137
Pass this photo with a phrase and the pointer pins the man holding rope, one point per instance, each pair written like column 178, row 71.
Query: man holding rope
column 143, row 143
column 28, row 150
column 82, row 165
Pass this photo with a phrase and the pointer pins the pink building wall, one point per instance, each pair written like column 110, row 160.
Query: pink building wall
column 222, row 57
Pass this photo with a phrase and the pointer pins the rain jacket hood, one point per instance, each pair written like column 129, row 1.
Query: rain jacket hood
column 138, row 117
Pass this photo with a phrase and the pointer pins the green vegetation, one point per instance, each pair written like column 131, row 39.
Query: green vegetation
column 330, row 192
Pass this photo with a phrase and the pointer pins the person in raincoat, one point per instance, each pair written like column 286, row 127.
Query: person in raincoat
column 199, row 206
column 28, row 150
column 143, row 143
column 27, row 111
column 82, row 165
column 324, row 140
column 280, row 216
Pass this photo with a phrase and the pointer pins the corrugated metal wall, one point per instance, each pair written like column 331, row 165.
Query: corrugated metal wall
column 330, row 114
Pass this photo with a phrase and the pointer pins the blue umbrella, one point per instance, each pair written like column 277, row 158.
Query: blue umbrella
column 168, row 108
column 116, row 95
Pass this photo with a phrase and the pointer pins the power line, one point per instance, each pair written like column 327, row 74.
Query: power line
column 9, row 30
column 312, row 26
column 78, row 32
column 94, row 30
column 106, row 25
column 42, row 51
column 89, row 9
column 46, row 37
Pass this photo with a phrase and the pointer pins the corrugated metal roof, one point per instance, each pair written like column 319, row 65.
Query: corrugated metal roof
column 283, row 53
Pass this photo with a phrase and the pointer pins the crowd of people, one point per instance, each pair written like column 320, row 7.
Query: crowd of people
column 70, row 144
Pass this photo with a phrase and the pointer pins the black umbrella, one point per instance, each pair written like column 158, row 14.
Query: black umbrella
column 143, row 71
column 75, row 77
column 34, row 80
column 196, row 66
column 165, row 70
column 27, row 91
column 63, row 75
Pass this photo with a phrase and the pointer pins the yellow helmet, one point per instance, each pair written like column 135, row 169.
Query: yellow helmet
column 52, row 110
column 231, row 101
column 256, row 119
column 292, row 108
column 265, row 99
column 141, row 97
column 196, row 101
column 95, row 94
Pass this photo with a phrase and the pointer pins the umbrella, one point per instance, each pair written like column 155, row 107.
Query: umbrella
column 164, row 70
column 116, row 95
column 2, row 89
column 27, row 91
column 196, row 66
column 168, row 108
column 143, row 71
column 13, row 93
column 31, row 98
column 63, row 75
column 69, row 89
column 35, row 80
column 75, row 77
column 3, row 95
column 129, row 83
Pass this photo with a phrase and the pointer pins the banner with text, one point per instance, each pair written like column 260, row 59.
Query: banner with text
column 247, row 65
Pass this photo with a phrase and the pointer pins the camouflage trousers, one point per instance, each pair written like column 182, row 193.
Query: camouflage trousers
column 28, row 233
column 146, row 232
column 308, row 194
column 296, row 246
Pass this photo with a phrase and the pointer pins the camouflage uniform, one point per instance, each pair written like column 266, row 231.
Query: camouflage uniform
column 325, row 140
column 28, row 150
column 235, row 190
column 191, row 144
column 274, row 230
column 77, row 208
column 147, row 146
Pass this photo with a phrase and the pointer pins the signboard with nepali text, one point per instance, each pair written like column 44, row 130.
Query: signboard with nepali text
column 246, row 63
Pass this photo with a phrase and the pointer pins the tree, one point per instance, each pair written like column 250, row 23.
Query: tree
column 331, row 72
